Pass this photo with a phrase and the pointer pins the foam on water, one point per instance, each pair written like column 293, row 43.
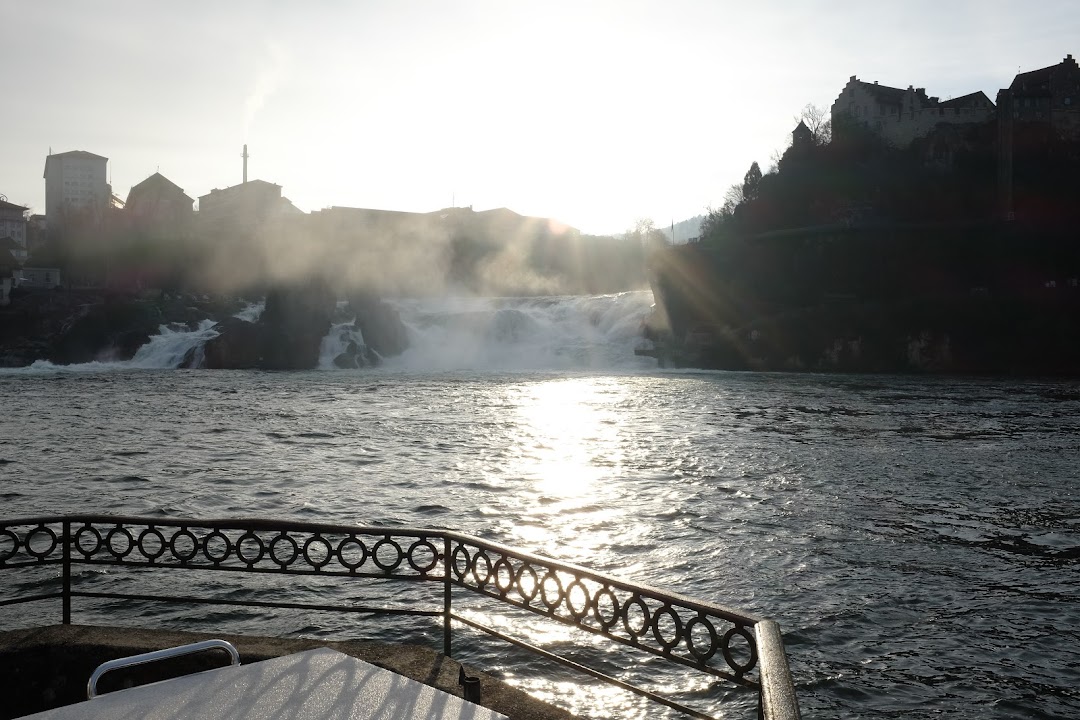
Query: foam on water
column 252, row 312
column 337, row 342
column 168, row 348
column 536, row 333
column 459, row 333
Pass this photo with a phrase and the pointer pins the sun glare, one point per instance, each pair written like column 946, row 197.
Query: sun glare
column 571, row 438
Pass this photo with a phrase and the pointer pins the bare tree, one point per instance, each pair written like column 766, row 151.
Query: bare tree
column 819, row 122
column 732, row 199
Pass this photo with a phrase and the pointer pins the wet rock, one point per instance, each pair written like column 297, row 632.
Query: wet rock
column 356, row 356
column 238, row 346
column 295, row 321
column 288, row 335
column 380, row 325
column 115, row 329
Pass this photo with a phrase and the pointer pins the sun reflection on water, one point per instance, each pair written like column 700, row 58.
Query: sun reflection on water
column 569, row 442
column 570, row 435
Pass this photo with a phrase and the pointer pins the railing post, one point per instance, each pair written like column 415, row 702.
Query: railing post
column 446, row 596
column 66, row 599
column 777, row 700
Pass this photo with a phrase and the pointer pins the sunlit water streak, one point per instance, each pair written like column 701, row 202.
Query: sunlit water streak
column 917, row 539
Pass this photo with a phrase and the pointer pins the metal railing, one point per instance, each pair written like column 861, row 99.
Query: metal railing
column 711, row 639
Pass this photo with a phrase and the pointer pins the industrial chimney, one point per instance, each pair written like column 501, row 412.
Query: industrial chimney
column 245, row 156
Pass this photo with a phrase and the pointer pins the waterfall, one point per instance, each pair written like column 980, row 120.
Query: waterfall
column 534, row 333
column 343, row 340
column 457, row 333
column 168, row 348
column 252, row 312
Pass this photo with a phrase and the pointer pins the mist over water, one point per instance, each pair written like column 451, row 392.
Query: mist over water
column 916, row 538
column 571, row 332
column 456, row 333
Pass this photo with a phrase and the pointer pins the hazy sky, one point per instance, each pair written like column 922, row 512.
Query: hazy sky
column 595, row 113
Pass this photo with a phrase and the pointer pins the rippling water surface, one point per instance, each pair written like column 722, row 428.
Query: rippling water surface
column 918, row 540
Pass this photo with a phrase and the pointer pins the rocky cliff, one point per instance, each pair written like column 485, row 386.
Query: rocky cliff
column 709, row 317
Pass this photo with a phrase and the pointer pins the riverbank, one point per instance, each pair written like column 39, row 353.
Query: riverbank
column 980, row 300
column 48, row 667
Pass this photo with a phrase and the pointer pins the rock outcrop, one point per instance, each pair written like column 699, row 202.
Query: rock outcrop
column 356, row 356
column 113, row 330
column 380, row 325
column 287, row 336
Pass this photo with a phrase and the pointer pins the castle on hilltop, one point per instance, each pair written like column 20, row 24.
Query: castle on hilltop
column 1049, row 95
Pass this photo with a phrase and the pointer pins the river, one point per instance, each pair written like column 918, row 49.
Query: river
column 917, row 538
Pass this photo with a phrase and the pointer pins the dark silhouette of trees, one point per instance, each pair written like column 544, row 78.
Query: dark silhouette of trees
column 751, row 182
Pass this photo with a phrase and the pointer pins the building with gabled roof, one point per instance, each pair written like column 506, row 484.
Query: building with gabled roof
column 158, row 204
column 1048, row 95
column 801, row 136
column 902, row 115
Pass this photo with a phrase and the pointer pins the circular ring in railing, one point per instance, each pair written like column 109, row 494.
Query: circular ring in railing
column 504, row 575
column 691, row 644
column 111, row 538
column 398, row 555
column 560, row 595
column 639, row 603
column 534, row 585
column 344, row 554
column 605, row 622
column 247, row 539
column 154, row 553
column 415, row 549
column 459, row 552
column 293, row 548
column 87, row 531
column 327, row 551
column 667, row 644
column 28, row 542
column 11, row 552
column 581, row 612
column 481, row 555
column 217, row 558
column 184, row 557
column 740, row 631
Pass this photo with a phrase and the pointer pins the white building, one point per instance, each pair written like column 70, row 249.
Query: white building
column 13, row 225
column 75, row 180
column 901, row 116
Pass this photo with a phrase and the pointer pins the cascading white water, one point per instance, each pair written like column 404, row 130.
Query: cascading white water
column 535, row 333
column 252, row 312
column 171, row 345
column 461, row 333
column 337, row 342
column 166, row 350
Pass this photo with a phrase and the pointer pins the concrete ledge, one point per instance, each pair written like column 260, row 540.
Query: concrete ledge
column 48, row 667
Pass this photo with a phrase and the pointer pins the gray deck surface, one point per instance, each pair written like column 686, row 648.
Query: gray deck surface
column 48, row 667
column 315, row 684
